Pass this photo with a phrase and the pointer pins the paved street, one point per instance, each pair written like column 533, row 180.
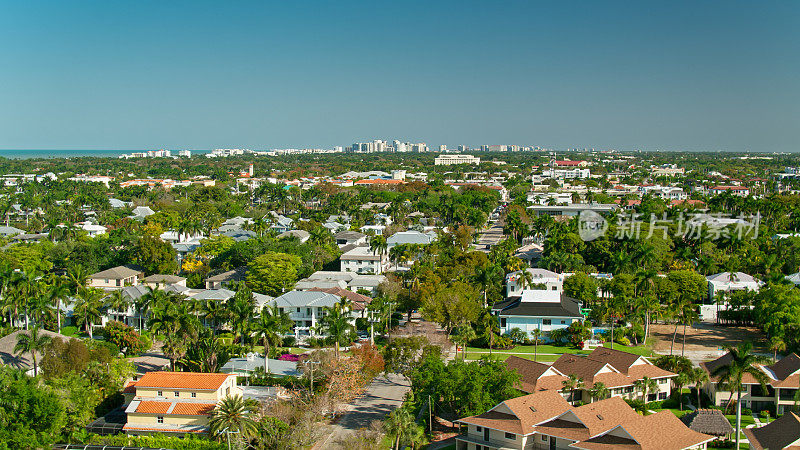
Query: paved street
column 382, row 396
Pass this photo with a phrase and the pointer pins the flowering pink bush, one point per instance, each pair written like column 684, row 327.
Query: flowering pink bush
column 289, row 357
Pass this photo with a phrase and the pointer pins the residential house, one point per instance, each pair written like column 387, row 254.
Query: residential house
column 515, row 283
column 617, row 370
column 115, row 278
column 282, row 224
column 783, row 433
column 300, row 235
column 740, row 191
column 160, row 281
column 10, row 231
column 141, row 212
column 361, row 259
column 537, row 309
column 544, row 420
column 306, row 308
column 225, row 279
column 350, row 238
column 783, row 382
column 729, row 282
column 410, row 237
column 349, row 280
column 176, row 403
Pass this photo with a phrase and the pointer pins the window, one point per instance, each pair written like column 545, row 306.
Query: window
column 485, row 434
column 298, row 309
column 662, row 395
column 544, row 437
column 308, row 311
column 160, row 419
column 227, row 392
column 194, row 394
column 160, row 393
column 478, row 429
column 546, row 321
column 563, row 322
column 511, row 436
column 502, row 322
column 177, row 394
column 554, row 288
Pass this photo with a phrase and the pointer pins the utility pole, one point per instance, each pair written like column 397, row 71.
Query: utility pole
column 311, row 368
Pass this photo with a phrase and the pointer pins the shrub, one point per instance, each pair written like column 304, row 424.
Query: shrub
column 289, row 341
column 69, row 331
column 747, row 412
column 764, row 414
column 622, row 340
column 122, row 336
column 362, row 324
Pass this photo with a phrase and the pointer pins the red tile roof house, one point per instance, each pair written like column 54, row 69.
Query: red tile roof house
column 175, row 402
column 783, row 433
column 545, row 420
column 784, row 380
column 616, row 369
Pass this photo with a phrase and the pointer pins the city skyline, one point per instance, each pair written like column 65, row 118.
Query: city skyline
column 679, row 76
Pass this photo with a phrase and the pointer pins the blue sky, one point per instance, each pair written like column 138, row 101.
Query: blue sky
column 699, row 75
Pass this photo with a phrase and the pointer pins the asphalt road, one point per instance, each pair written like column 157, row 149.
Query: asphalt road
column 383, row 395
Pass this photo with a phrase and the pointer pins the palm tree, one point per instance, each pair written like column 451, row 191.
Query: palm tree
column 118, row 301
column 462, row 336
column 683, row 379
column 537, row 335
column 699, row 378
column 32, row 343
column 269, row 327
column 402, row 426
column 57, row 293
column 490, row 328
column 87, row 309
column 336, row 323
column 730, row 375
column 599, row 391
column 776, row 344
column 176, row 324
column 234, row 415
column 214, row 311
column 571, row 384
column 645, row 385
column 241, row 308
column 688, row 313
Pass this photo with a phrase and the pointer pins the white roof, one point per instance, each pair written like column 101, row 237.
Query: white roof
column 410, row 237
column 738, row 277
column 297, row 299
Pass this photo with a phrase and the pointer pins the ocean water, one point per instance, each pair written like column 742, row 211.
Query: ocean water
column 29, row 154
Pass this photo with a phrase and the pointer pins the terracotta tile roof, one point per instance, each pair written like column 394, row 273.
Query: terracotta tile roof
column 130, row 387
column 380, row 181
column 193, row 409
column 153, row 407
column 359, row 301
column 167, row 429
column 519, row 415
column 182, row 380
column 783, row 433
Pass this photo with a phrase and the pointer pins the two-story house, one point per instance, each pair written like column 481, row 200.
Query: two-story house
column 516, row 282
column 537, row 309
column 175, row 402
column 306, row 308
column 361, row 259
column 115, row 278
column 617, row 370
column 784, row 381
column 544, row 420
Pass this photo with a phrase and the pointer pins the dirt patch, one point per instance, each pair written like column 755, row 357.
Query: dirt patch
column 704, row 337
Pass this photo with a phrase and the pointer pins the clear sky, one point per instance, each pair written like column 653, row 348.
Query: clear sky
column 668, row 75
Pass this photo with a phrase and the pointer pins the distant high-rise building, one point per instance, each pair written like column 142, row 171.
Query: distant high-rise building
column 443, row 148
column 463, row 148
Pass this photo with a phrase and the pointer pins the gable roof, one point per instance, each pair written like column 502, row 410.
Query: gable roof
column 532, row 375
column 783, row 432
column 117, row 273
column 237, row 274
column 786, row 366
column 660, row 431
column 519, row 415
column 589, row 420
column 359, row 301
column 182, row 380
column 616, row 366
column 620, row 360
column 295, row 299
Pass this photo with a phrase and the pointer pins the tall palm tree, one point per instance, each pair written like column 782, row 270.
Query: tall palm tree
column 699, row 378
column 241, row 308
column 537, row 336
column 645, row 385
column 270, row 327
column 572, row 383
column 58, row 293
column 599, row 391
column 742, row 361
column 175, row 322
column 234, row 415
column 215, row 312
column 402, row 426
column 32, row 342
column 688, row 314
column 88, row 308
column 336, row 323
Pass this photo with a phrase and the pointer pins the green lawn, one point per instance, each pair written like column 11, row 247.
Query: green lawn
column 561, row 349
column 503, row 356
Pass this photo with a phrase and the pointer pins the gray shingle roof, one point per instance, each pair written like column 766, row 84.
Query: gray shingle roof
column 116, row 273
column 297, row 299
